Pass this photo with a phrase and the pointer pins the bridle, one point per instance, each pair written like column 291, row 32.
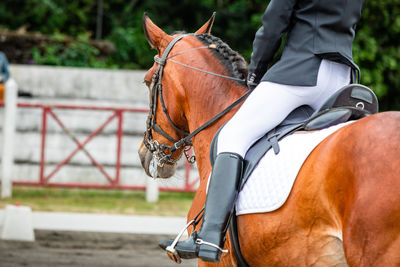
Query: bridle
column 160, row 157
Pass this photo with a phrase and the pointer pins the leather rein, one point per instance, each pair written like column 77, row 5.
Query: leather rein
column 160, row 157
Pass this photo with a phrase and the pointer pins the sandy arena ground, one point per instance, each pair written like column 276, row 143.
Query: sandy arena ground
column 60, row 249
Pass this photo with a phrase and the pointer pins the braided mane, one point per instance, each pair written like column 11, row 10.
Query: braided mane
column 233, row 61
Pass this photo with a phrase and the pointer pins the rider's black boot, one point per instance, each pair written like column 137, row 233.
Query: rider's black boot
column 208, row 242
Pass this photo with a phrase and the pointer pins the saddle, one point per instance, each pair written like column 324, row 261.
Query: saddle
column 352, row 102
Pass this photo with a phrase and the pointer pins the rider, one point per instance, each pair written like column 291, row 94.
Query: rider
column 316, row 62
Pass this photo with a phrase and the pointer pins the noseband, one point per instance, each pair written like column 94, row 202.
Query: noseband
column 160, row 157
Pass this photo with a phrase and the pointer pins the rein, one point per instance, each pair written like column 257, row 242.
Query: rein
column 160, row 157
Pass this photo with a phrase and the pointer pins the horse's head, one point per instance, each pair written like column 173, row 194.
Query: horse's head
column 166, row 125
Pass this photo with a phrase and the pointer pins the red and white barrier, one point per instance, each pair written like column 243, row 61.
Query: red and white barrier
column 51, row 123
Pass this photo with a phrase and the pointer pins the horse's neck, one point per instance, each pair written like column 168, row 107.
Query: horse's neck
column 203, row 106
column 206, row 105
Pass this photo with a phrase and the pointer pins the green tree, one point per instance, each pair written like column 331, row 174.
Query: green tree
column 376, row 48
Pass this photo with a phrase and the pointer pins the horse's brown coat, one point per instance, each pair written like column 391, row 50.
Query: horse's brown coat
column 347, row 188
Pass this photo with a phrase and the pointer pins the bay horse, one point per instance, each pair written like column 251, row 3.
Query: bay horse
column 344, row 208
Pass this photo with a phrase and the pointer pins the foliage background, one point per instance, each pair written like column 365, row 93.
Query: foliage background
column 376, row 48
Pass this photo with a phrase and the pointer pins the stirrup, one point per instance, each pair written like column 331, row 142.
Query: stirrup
column 202, row 242
column 171, row 251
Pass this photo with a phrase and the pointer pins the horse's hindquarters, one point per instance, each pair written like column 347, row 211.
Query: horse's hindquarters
column 348, row 185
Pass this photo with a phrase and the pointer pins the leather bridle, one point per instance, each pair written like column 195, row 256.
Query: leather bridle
column 160, row 156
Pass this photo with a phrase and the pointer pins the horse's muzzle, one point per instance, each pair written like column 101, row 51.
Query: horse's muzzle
column 166, row 171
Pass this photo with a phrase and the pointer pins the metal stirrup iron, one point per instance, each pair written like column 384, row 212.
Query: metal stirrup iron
column 171, row 251
column 202, row 242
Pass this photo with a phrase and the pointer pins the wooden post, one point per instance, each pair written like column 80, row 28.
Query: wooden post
column 7, row 160
column 152, row 191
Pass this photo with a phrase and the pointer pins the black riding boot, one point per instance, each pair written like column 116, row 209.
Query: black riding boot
column 208, row 242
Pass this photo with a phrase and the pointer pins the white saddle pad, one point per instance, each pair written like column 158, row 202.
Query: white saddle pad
column 270, row 184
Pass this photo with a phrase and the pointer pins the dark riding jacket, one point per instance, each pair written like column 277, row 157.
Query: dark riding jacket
column 315, row 30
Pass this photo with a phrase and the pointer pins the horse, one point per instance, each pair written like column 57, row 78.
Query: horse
column 344, row 207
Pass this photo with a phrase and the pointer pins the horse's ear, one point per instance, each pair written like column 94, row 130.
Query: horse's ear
column 206, row 28
column 155, row 36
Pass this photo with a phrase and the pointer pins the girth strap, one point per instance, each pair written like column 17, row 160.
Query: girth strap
column 233, row 234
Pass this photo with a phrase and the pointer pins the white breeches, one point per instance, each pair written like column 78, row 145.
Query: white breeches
column 270, row 103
